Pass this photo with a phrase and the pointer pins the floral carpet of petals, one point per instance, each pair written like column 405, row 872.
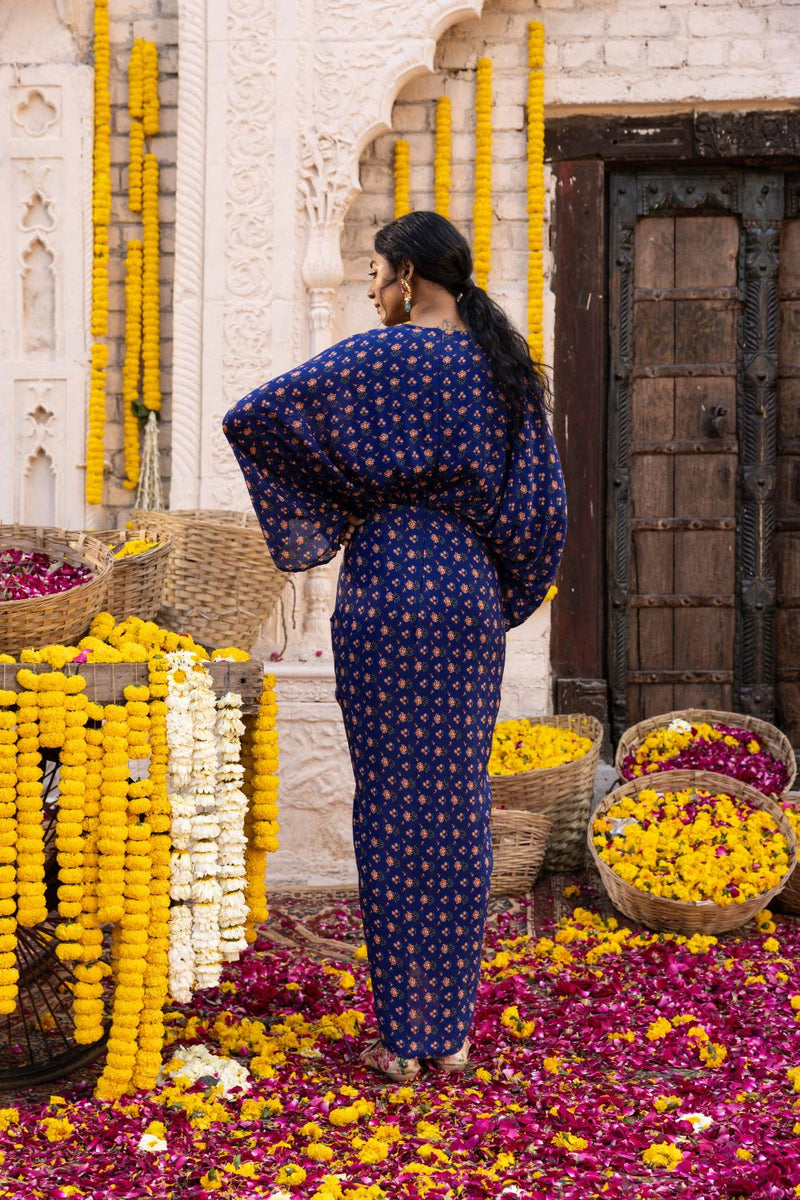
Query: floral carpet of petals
column 607, row 1062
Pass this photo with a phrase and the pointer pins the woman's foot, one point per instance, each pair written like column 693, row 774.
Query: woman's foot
column 454, row 1062
column 393, row 1066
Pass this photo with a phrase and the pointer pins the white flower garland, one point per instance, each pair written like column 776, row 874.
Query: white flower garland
column 206, row 889
column 208, row 873
column 180, row 745
column 232, row 809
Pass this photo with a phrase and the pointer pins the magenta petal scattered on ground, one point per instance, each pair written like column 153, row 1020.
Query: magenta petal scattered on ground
column 591, row 1045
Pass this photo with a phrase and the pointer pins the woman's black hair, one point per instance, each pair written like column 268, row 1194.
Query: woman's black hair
column 439, row 253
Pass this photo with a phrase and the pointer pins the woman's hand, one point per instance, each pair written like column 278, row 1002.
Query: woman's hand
column 353, row 523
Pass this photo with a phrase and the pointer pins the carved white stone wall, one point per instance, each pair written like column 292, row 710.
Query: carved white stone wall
column 45, row 202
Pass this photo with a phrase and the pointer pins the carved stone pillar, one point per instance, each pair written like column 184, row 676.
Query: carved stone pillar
column 323, row 271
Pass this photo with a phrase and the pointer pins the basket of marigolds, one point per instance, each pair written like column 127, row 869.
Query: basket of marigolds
column 741, row 747
column 547, row 765
column 52, row 585
column 519, row 843
column 691, row 851
column 789, row 899
column 136, row 582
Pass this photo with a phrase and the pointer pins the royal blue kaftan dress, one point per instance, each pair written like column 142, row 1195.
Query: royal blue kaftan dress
column 463, row 534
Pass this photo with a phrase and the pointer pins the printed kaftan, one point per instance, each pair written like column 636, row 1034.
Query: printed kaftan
column 464, row 530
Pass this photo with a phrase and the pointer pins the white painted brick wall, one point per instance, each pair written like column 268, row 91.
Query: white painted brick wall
column 601, row 55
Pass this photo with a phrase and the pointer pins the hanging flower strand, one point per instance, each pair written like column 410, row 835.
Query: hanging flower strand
column 482, row 203
column 535, row 204
column 133, row 360
column 31, row 902
column 151, row 340
column 441, row 161
column 136, row 135
column 101, row 217
column 402, row 178
column 141, row 262
column 150, row 101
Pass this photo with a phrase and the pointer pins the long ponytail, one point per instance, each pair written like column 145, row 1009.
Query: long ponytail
column 442, row 255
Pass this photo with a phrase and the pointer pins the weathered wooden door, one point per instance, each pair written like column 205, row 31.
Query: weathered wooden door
column 694, row 318
column 787, row 529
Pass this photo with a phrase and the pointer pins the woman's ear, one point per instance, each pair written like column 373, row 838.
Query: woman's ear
column 407, row 270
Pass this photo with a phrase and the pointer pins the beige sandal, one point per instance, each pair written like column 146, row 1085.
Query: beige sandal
column 394, row 1066
column 454, row 1062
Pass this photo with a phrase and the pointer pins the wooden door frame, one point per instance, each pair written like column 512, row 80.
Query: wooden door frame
column 582, row 150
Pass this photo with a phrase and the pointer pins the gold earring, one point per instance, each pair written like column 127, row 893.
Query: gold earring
column 405, row 288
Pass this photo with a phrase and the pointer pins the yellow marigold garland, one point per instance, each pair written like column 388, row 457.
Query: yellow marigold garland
column 135, row 159
column 151, row 1023
column 535, row 204
column 151, row 311
column 95, row 446
column 482, row 203
column 31, row 904
column 8, row 851
column 150, row 101
column 113, row 832
column 441, row 160
column 260, row 757
column 402, row 178
column 71, row 815
column 142, row 331
column 88, row 1001
column 101, row 217
column 133, row 360
column 136, row 136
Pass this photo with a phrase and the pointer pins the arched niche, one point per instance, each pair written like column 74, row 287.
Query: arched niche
column 39, row 490
column 38, row 300
column 501, row 34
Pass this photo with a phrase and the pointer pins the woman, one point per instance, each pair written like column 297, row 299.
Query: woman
column 423, row 447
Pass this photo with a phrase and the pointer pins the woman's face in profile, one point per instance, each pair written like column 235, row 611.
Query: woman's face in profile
column 384, row 291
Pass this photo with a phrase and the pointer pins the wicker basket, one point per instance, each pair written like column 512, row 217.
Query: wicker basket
column 564, row 794
column 789, row 899
column 135, row 584
column 773, row 740
column 221, row 582
column 688, row 916
column 65, row 617
column 519, row 841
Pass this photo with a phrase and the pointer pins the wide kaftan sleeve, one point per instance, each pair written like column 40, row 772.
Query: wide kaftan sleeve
column 527, row 534
column 278, row 434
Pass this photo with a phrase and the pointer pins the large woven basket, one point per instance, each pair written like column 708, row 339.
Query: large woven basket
column 65, row 617
column 682, row 916
column 771, row 737
column 564, row 794
column 136, row 584
column 221, row 582
column 789, row 899
column 519, row 841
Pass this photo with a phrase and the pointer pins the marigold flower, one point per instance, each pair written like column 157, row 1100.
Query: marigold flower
column 662, row 1154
